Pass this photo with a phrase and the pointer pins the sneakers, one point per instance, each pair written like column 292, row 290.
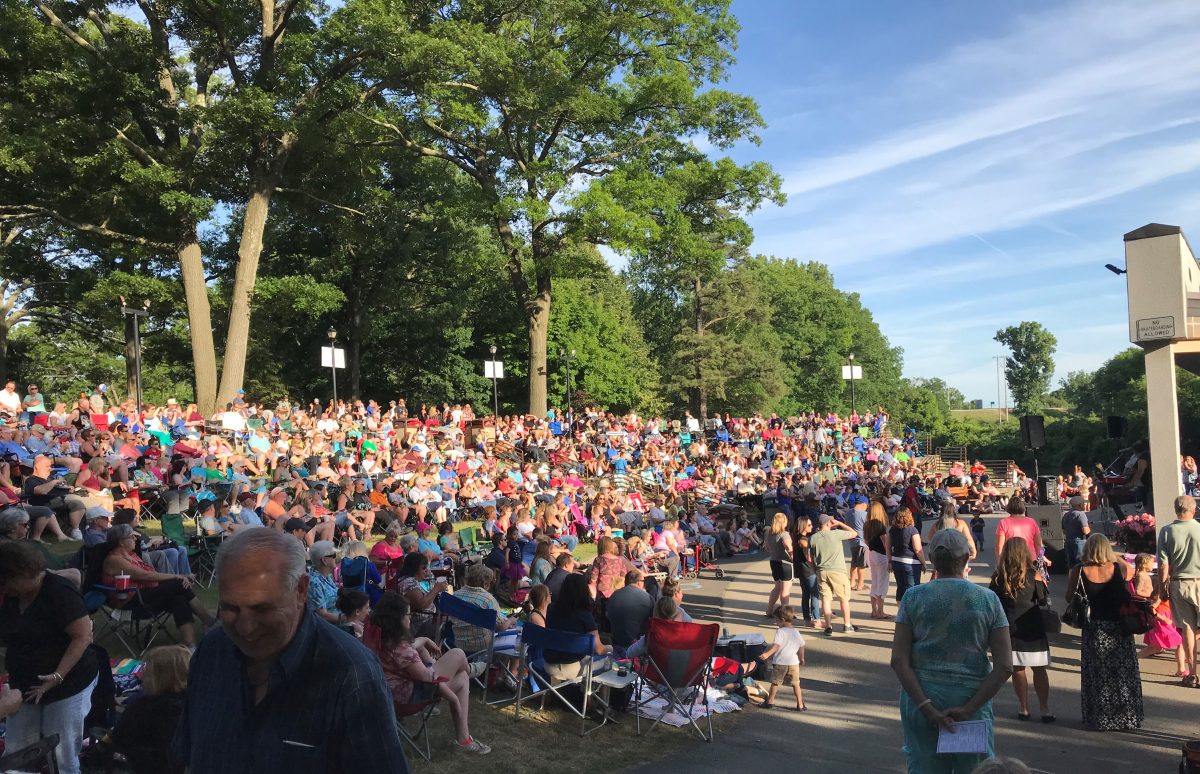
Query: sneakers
column 476, row 668
column 828, row 631
column 851, row 629
column 76, row 534
column 473, row 745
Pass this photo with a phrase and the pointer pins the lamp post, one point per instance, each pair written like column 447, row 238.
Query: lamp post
column 495, row 388
column 128, row 312
column 852, row 406
column 332, row 334
column 568, row 357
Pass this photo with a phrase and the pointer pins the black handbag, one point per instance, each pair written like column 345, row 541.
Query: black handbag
column 1136, row 617
column 1079, row 609
column 1051, row 623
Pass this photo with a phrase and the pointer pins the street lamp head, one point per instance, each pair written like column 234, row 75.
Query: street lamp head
column 331, row 333
column 851, row 357
column 572, row 353
column 146, row 303
column 492, row 349
column 1115, row 270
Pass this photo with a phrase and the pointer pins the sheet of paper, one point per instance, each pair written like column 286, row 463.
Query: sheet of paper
column 970, row 736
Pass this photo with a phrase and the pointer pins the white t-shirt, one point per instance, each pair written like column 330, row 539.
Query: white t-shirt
column 790, row 642
column 10, row 401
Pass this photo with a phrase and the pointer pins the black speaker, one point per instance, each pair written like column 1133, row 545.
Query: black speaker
column 1048, row 490
column 1116, row 427
column 1033, row 431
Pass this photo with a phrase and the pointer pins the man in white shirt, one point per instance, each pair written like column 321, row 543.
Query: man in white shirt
column 10, row 401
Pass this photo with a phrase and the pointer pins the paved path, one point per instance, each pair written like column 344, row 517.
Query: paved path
column 853, row 723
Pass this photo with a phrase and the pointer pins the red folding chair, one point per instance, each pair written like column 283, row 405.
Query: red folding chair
column 676, row 668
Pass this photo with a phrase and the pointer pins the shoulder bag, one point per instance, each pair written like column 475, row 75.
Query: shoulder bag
column 1079, row 609
column 1136, row 616
column 1051, row 623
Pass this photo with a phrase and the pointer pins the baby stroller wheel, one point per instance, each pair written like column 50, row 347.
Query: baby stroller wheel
column 691, row 575
column 719, row 573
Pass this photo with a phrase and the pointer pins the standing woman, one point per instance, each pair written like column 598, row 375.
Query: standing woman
column 46, row 627
column 1110, row 681
column 875, row 532
column 806, row 570
column 779, row 551
column 949, row 519
column 904, row 552
column 1021, row 594
column 1017, row 525
column 945, row 630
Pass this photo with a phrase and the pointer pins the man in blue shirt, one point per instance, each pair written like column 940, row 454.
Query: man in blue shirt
column 275, row 688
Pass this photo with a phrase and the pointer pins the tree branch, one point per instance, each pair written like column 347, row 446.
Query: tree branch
column 215, row 22
column 136, row 149
column 74, row 36
column 23, row 210
column 318, row 199
column 421, row 150
column 283, row 20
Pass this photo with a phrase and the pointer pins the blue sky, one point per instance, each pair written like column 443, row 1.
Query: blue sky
column 966, row 166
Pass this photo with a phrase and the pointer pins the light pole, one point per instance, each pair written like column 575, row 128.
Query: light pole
column 137, row 345
column 852, row 407
column 332, row 334
column 495, row 388
column 568, row 357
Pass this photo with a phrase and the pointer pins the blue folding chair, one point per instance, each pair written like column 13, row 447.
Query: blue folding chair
column 468, row 614
column 535, row 641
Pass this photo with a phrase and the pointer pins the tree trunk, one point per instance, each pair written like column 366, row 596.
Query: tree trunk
column 4, row 348
column 204, row 352
column 130, row 356
column 237, row 338
column 357, row 333
column 701, row 389
column 537, row 318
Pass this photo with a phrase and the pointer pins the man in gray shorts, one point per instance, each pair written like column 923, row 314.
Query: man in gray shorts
column 1179, row 569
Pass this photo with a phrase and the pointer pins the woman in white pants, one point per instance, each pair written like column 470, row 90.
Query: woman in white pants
column 46, row 626
column 875, row 532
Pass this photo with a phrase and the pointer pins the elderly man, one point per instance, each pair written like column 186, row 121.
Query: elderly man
column 1075, row 529
column 294, row 692
column 628, row 610
column 1179, row 569
column 42, row 489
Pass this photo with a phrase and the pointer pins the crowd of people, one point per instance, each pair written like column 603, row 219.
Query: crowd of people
column 357, row 506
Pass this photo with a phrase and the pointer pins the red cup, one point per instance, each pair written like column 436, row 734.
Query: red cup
column 121, row 582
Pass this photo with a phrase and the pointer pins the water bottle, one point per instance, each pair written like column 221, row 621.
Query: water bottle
column 725, row 633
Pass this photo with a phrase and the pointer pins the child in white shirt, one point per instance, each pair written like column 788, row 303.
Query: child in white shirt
column 787, row 656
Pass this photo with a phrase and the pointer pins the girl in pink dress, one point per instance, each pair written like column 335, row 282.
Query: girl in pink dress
column 1164, row 636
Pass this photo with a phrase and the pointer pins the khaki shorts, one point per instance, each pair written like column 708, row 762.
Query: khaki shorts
column 1185, row 602
column 785, row 674
column 833, row 585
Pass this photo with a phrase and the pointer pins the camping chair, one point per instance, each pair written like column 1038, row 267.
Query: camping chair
column 677, row 669
column 136, row 630
column 534, row 642
column 467, row 539
column 354, row 573
column 201, row 551
column 420, row 707
column 39, row 756
column 472, row 615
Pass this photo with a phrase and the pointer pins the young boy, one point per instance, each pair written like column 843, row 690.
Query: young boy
column 977, row 531
column 787, row 656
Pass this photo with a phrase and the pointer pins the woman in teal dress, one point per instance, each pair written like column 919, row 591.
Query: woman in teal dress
column 944, row 631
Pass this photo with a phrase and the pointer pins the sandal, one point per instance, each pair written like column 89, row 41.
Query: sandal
column 1022, row 716
column 766, row 705
column 1191, row 681
column 801, row 708
column 1049, row 718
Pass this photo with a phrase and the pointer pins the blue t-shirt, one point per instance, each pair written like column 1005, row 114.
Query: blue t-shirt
column 952, row 620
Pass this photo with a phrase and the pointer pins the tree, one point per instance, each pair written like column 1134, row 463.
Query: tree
column 948, row 398
column 148, row 124
column 534, row 101
column 1031, row 363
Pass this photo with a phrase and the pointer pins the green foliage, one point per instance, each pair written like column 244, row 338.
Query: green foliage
column 1030, row 365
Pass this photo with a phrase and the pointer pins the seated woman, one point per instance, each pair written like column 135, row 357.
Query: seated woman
column 416, row 584
column 665, row 608
column 411, row 663
column 41, row 517
column 542, row 564
column 158, row 590
column 388, row 549
column 571, row 611
column 371, row 583
column 354, row 607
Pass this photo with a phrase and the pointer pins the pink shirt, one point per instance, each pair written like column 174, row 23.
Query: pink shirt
column 1019, row 527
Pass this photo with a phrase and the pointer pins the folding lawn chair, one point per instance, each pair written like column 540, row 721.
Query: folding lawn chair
column 535, row 641
column 420, row 706
column 472, row 615
column 677, row 668
column 122, row 616
column 201, row 551
column 39, row 756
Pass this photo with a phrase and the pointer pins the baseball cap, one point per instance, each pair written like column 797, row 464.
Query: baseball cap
column 277, row 490
column 245, row 496
column 97, row 512
column 950, row 540
column 321, row 549
column 293, row 524
column 824, row 519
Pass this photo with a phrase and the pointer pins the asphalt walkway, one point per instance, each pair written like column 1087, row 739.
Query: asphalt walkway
column 853, row 722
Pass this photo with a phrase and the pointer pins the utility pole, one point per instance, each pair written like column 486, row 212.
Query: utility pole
column 1001, row 392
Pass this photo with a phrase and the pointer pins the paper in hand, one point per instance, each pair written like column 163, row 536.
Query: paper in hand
column 969, row 736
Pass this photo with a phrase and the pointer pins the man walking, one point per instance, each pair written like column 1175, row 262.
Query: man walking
column 275, row 688
column 830, row 560
column 1179, row 568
